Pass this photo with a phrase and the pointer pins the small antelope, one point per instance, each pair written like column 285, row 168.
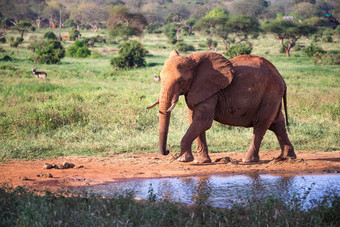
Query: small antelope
column 39, row 74
column 156, row 78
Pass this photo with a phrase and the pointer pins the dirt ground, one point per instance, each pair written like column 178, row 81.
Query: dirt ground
column 91, row 170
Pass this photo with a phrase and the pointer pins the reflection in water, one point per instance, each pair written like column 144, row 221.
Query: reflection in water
column 227, row 190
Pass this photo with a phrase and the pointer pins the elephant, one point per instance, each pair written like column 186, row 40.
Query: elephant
column 244, row 91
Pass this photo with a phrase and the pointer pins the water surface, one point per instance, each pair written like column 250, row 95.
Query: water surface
column 227, row 190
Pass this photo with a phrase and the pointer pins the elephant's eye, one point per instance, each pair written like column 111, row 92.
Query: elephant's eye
column 180, row 82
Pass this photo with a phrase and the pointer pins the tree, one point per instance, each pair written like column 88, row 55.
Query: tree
column 241, row 27
column 22, row 27
column 214, row 23
column 305, row 10
column 176, row 24
column 39, row 11
column 91, row 14
column 123, row 24
column 55, row 13
column 252, row 8
column 17, row 10
column 288, row 32
column 230, row 29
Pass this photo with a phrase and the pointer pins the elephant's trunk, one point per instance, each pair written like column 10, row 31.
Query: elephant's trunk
column 167, row 102
column 164, row 120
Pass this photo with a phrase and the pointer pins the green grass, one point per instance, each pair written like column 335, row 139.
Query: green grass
column 21, row 207
column 85, row 107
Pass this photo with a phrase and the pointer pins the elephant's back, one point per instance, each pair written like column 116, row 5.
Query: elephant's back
column 256, row 82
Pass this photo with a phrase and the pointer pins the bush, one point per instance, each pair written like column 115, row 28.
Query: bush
column 154, row 28
column 326, row 58
column 327, row 39
column 95, row 54
column 183, row 47
column 14, row 43
column 170, row 32
column 78, row 49
column 131, row 55
column 20, row 39
column 122, row 32
column 69, row 23
column 312, row 49
column 49, row 52
column 7, row 58
column 239, row 49
column 50, row 35
column 3, row 40
column 74, row 34
column 211, row 43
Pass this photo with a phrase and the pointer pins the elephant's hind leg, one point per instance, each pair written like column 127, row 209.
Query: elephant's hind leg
column 252, row 154
column 287, row 149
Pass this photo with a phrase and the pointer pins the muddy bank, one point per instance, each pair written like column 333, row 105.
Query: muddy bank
column 118, row 167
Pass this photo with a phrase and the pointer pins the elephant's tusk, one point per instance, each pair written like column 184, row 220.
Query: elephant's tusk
column 171, row 107
column 153, row 105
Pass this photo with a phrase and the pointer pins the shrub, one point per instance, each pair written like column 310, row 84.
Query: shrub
column 211, row 43
column 326, row 58
column 131, row 55
column 95, row 54
column 3, row 40
column 74, row 34
column 7, row 58
column 49, row 52
column 327, row 39
column 154, row 28
column 239, row 49
column 183, row 47
column 312, row 49
column 69, row 23
column 20, row 39
column 14, row 43
column 122, row 32
column 50, row 35
column 78, row 49
column 170, row 32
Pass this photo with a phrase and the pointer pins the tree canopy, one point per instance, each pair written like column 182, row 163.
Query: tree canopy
column 123, row 24
column 288, row 32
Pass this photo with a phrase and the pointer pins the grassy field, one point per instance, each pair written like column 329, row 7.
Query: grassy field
column 20, row 207
column 85, row 107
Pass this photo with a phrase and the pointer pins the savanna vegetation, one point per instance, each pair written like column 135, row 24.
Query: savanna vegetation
column 21, row 207
column 87, row 106
column 93, row 99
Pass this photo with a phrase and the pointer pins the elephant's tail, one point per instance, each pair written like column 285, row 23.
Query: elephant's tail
column 285, row 107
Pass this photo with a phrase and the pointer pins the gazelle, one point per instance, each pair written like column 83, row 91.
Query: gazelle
column 39, row 74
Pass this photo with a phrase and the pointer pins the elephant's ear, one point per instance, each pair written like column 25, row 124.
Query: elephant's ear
column 213, row 72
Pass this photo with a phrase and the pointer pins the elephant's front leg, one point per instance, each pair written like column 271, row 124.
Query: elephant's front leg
column 201, row 119
column 195, row 131
column 202, row 149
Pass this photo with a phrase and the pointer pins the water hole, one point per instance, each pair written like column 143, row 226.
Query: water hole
column 226, row 190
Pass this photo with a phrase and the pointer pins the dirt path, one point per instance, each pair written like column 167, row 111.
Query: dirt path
column 118, row 167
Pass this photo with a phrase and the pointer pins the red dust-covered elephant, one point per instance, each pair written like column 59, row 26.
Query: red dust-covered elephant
column 245, row 91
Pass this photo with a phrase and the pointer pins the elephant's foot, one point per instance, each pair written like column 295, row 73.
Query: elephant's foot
column 288, row 152
column 202, row 159
column 185, row 157
column 251, row 158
